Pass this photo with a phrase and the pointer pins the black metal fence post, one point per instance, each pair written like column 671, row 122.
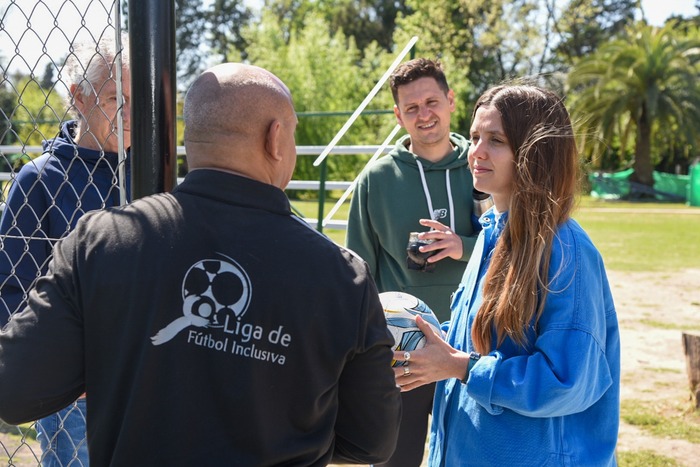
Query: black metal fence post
column 153, row 84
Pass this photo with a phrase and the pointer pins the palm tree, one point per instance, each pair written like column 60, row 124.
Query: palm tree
column 642, row 83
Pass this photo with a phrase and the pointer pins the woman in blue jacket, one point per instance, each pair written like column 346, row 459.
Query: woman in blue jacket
column 529, row 372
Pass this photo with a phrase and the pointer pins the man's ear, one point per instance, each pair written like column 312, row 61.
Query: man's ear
column 451, row 100
column 272, row 140
column 397, row 112
column 78, row 98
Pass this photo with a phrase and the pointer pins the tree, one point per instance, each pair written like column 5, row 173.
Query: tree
column 365, row 21
column 8, row 102
column 36, row 111
column 206, row 31
column 28, row 115
column 586, row 24
column 636, row 85
column 47, row 79
column 190, row 24
column 328, row 79
column 226, row 17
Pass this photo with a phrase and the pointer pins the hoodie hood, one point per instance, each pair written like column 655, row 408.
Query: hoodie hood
column 65, row 148
column 457, row 158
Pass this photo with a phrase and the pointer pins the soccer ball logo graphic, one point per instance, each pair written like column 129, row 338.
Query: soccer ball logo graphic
column 211, row 290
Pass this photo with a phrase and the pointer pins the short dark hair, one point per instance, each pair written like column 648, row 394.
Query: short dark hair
column 416, row 69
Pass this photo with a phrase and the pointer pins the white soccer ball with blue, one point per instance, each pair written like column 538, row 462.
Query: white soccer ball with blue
column 400, row 311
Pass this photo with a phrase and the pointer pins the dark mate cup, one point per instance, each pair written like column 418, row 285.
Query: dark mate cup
column 416, row 259
column 482, row 202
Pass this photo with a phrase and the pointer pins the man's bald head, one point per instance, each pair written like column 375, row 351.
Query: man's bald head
column 228, row 112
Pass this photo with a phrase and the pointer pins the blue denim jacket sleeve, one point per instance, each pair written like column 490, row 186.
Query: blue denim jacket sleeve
column 566, row 369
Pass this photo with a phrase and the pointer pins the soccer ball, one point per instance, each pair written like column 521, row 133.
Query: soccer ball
column 400, row 311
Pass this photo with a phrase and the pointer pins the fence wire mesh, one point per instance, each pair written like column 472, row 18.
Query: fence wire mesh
column 63, row 129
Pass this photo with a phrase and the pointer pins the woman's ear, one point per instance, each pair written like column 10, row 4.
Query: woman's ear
column 272, row 140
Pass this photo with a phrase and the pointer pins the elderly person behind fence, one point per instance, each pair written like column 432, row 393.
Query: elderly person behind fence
column 76, row 173
column 229, row 331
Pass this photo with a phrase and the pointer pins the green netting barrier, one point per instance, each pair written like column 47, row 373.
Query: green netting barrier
column 674, row 184
column 617, row 185
column 694, row 186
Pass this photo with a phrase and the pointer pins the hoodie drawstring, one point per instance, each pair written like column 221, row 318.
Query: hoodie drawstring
column 429, row 199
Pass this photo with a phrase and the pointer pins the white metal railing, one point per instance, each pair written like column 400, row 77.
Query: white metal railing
column 293, row 185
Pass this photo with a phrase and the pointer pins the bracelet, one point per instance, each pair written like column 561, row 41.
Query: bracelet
column 473, row 358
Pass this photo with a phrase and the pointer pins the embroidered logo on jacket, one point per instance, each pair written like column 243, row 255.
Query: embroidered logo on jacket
column 439, row 214
column 211, row 291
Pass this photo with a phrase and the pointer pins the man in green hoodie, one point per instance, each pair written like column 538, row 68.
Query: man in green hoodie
column 423, row 185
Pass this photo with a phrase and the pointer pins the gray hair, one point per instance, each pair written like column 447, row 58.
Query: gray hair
column 89, row 63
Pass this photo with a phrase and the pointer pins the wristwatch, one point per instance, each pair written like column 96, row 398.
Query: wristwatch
column 473, row 358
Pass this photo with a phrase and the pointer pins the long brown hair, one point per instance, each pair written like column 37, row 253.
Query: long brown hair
column 540, row 134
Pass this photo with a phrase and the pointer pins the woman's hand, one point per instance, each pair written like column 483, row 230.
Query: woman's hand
column 434, row 362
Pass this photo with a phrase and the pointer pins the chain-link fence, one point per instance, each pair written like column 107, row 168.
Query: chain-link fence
column 64, row 130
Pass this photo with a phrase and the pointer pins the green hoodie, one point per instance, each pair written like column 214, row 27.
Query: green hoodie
column 387, row 204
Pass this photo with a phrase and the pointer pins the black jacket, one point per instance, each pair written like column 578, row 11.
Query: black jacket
column 209, row 326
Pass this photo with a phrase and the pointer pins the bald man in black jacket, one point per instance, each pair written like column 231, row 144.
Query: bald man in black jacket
column 211, row 326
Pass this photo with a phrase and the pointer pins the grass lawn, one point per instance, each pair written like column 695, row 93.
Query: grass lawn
column 643, row 236
column 630, row 236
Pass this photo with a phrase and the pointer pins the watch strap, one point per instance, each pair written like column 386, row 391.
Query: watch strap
column 473, row 358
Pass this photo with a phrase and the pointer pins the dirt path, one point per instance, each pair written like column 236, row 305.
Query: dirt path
column 653, row 363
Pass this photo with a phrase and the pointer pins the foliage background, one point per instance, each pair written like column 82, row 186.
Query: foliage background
column 332, row 52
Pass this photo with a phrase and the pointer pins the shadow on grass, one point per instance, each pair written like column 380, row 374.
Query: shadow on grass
column 25, row 430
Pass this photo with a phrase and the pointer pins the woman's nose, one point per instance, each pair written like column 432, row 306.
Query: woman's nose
column 477, row 150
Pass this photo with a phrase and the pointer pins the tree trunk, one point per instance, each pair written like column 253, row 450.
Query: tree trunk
column 643, row 167
column 691, row 348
